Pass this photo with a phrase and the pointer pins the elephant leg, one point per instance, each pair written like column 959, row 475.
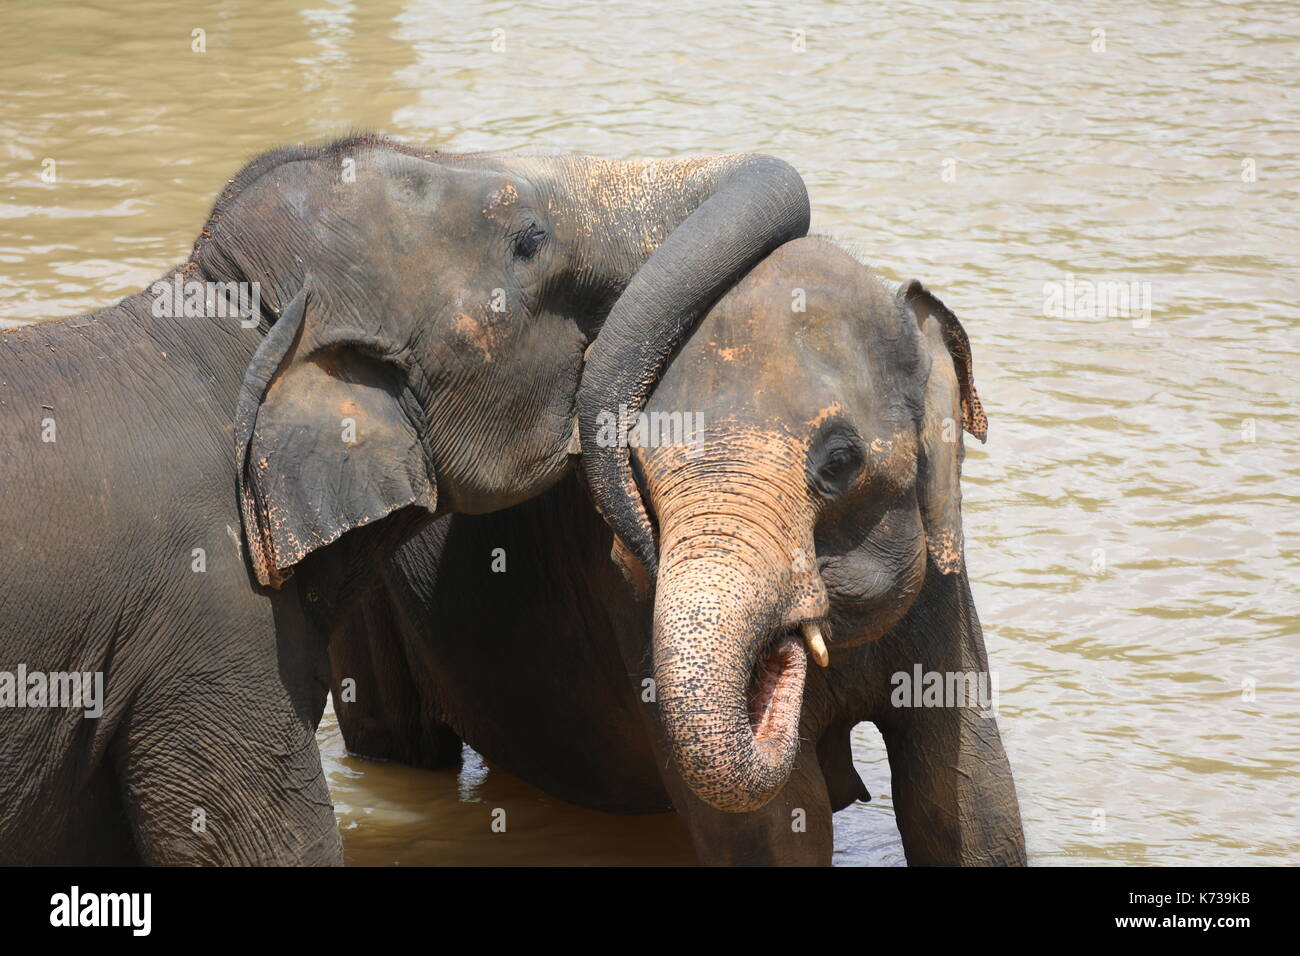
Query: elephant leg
column 954, row 797
column 98, row 828
column 382, row 710
column 950, row 778
column 218, row 780
column 216, row 756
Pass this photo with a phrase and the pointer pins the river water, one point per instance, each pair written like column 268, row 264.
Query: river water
column 1132, row 527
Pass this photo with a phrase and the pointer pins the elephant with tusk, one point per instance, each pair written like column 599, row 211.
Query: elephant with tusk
column 818, row 515
column 200, row 479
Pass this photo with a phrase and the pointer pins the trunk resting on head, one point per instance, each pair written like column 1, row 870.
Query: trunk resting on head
column 756, row 203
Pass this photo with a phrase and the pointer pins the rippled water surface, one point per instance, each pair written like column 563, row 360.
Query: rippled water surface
column 1132, row 526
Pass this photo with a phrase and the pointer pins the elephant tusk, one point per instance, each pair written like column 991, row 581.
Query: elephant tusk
column 812, row 636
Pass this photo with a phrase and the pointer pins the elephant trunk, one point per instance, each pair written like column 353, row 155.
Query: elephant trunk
column 703, row 224
column 729, row 658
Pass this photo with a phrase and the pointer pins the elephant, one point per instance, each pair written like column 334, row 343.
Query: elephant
column 811, row 510
column 200, row 479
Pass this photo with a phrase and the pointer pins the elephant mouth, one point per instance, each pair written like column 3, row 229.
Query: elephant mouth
column 775, row 694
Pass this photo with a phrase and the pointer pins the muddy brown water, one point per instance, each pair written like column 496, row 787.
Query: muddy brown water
column 1132, row 526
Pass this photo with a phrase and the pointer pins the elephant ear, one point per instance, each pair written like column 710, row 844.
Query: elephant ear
column 951, row 404
column 323, row 443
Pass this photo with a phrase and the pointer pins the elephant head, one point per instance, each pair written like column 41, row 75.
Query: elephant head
column 431, row 313
column 809, row 497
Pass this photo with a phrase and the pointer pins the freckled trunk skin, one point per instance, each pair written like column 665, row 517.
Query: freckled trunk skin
column 620, row 212
column 703, row 649
column 726, row 582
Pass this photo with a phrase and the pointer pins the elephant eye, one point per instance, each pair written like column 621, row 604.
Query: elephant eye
column 528, row 240
column 837, row 465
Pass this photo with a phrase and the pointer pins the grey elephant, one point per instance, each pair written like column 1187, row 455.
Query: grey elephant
column 810, row 512
column 199, row 479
